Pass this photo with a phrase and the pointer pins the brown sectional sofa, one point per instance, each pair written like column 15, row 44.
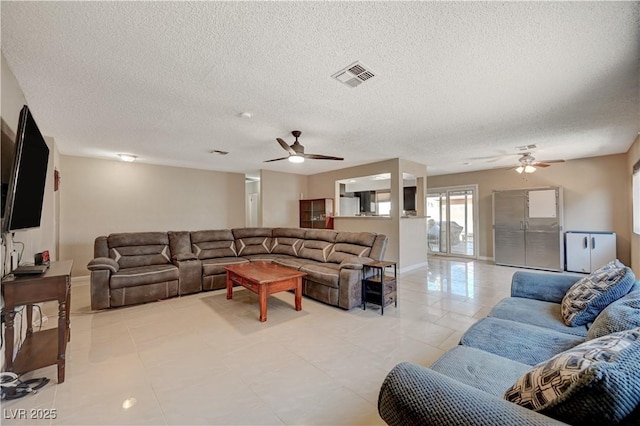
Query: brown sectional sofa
column 139, row 267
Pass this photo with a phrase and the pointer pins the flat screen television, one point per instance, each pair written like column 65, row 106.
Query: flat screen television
column 22, row 205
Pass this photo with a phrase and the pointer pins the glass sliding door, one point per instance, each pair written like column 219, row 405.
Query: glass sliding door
column 452, row 220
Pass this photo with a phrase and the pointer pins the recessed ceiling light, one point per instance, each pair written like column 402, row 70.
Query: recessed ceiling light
column 246, row 115
column 217, row 151
column 129, row 158
column 466, row 164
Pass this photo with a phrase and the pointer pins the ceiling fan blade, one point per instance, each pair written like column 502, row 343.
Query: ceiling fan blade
column 322, row 157
column 285, row 146
column 553, row 161
column 275, row 159
column 540, row 164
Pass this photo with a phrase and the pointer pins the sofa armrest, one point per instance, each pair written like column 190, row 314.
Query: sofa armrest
column 545, row 286
column 190, row 273
column 412, row 395
column 103, row 264
column 183, row 256
column 355, row 262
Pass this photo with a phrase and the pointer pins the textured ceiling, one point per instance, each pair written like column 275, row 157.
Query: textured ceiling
column 456, row 83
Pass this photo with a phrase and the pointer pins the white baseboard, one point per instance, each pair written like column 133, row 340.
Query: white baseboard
column 412, row 267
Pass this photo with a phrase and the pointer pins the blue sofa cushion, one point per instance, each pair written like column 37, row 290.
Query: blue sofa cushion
column 535, row 312
column 524, row 343
column 479, row 369
column 597, row 379
column 591, row 294
column 623, row 314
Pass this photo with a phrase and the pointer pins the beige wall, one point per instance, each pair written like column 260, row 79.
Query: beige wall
column 279, row 198
column 633, row 156
column 596, row 196
column 99, row 197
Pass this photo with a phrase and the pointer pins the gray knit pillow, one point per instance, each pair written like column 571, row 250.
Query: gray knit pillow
column 623, row 314
column 590, row 295
column 595, row 382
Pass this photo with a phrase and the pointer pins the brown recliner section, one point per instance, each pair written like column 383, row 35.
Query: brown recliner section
column 132, row 268
column 140, row 267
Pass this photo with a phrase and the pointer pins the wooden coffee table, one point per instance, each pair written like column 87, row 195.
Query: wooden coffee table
column 263, row 278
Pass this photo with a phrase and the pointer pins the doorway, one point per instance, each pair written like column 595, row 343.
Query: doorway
column 452, row 220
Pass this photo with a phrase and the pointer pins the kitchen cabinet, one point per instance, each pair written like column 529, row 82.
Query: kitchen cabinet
column 588, row 251
column 317, row 214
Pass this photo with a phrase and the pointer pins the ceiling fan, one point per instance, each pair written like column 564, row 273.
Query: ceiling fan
column 296, row 151
column 528, row 163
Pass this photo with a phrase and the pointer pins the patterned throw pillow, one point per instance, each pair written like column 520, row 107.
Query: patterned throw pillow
column 623, row 314
column 594, row 383
column 591, row 294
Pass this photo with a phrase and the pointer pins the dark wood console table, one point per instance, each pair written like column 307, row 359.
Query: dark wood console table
column 40, row 348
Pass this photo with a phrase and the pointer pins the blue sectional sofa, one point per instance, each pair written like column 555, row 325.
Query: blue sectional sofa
column 519, row 349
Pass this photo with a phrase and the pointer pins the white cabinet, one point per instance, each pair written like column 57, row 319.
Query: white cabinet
column 588, row 251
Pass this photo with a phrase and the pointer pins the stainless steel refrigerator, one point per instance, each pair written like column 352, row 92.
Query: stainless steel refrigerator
column 527, row 228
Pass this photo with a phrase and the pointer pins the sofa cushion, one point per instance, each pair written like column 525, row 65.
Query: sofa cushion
column 480, row 369
column 252, row 240
column 524, row 343
column 131, row 277
column 349, row 244
column 213, row 244
column 286, row 245
column 216, row 265
column 321, row 235
column 290, row 262
column 138, row 249
column 595, row 380
column 317, row 250
column 267, row 257
column 535, row 312
column 287, row 240
column 623, row 314
column 323, row 273
column 591, row 294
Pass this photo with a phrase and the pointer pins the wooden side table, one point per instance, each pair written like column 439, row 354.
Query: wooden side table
column 377, row 287
column 46, row 347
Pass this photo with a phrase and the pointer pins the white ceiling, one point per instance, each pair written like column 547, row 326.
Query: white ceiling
column 459, row 82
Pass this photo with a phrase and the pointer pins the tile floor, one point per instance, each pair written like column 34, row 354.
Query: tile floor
column 203, row 359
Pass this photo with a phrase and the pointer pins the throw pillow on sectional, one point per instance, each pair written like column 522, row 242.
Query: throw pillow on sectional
column 594, row 383
column 623, row 314
column 590, row 295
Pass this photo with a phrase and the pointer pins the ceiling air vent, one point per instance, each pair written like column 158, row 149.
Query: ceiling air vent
column 526, row 147
column 354, row 75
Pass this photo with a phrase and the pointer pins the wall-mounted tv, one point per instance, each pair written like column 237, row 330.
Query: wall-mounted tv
column 22, row 205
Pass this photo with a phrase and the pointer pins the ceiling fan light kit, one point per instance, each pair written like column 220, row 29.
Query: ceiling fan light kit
column 526, row 169
column 528, row 163
column 296, row 151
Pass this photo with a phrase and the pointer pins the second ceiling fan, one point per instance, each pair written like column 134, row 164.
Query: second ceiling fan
column 296, row 151
column 528, row 163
